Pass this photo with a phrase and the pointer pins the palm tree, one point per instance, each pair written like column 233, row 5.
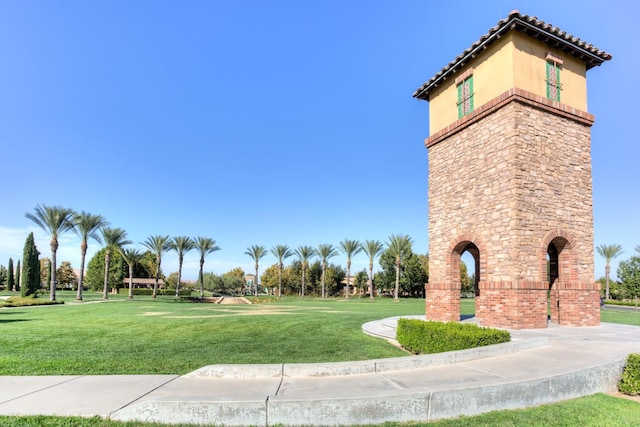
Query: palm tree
column 114, row 239
column 159, row 245
column 256, row 253
column 281, row 252
column 55, row 220
column 87, row 226
column 608, row 252
column 131, row 256
column 182, row 245
column 372, row 248
column 326, row 252
column 399, row 246
column 350, row 248
column 304, row 254
column 204, row 246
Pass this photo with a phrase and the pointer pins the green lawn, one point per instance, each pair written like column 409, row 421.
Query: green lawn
column 592, row 411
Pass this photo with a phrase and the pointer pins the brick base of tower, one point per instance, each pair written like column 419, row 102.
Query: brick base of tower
column 442, row 302
column 577, row 304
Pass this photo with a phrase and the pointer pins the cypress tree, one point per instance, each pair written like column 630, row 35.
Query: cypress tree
column 10, row 276
column 30, row 268
column 17, row 276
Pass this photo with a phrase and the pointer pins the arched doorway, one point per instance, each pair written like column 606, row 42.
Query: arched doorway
column 558, row 264
column 465, row 270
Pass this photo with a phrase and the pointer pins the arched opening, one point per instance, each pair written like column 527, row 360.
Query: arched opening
column 557, row 271
column 466, row 272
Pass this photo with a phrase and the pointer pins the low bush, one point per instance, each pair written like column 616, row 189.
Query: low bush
column 630, row 381
column 426, row 337
column 145, row 291
column 31, row 300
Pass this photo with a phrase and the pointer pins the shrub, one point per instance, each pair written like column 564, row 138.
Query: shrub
column 145, row 291
column 425, row 337
column 630, row 381
column 31, row 300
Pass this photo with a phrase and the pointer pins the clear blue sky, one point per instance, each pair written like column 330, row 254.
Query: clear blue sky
column 265, row 122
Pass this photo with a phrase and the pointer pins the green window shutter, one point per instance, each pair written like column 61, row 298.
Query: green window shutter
column 470, row 94
column 557, row 71
column 460, row 106
column 548, row 80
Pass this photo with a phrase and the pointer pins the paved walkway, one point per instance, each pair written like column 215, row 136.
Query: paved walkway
column 538, row 366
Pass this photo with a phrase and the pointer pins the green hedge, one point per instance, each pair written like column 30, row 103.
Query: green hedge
column 145, row 291
column 630, row 381
column 425, row 337
column 28, row 301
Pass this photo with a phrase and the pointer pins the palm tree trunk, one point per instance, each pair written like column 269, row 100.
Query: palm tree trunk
column 107, row 260
column 371, row 280
column 302, row 290
column 324, row 270
column 346, row 294
column 279, row 281
column 395, row 294
column 131, row 281
column 607, row 271
column 179, row 277
column 255, row 282
column 155, row 282
column 201, row 278
column 54, row 249
column 83, row 254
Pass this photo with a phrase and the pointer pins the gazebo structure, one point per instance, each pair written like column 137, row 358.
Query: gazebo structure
column 510, row 178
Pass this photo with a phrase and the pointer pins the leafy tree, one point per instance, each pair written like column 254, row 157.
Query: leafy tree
column 18, row 272
column 30, row 268
column 608, row 252
column 182, row 245
column 350, row 248
column 146, row 267
column 399, row 246
column 87, row 226
column 3, row 276
column 94, row 278
column 629, row 275
column 232, row 284
column 204, row 246
column 158, row 245
column 304, row 254
column 467, row 283
column 131, row 256
column 55, row 220
column 361, row 280
column 256, row 253
column 412, row 277
column 424, row 260
column 45, row 271
column 281, row 252
column 325, row 252
column 373, row 248
column 616, row 291
column 66, row 276
column 11, row 280
column 114, row 239
column 334, row 276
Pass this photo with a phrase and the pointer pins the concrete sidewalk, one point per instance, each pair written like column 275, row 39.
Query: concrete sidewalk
column 538, row 366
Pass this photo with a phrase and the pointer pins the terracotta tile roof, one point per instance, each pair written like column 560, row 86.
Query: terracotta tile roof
column 529, row 25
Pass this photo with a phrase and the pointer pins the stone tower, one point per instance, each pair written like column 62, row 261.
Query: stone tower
column 510, row 178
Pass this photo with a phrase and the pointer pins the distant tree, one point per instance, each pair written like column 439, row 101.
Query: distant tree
column 30, row 268
column 256, row 253
column 18, row 272
column 373, row 248
column 398, row 246
column 87, row 226
column 158, row 245
column 335, row 276
column 361, row 281
column 55, row 220
column 236, row 272
column 45, row 272
column 114, row 239
column 182, row 245
column 3, row 276
column 304, row 254
column 608, row 252
column 325, row 252
column 131, row 256
column 424, row 260
column 281, row 252
column 350, row 248
column 467, row 283
column 11, row 280
column 66, row 276
column 629, row 275
column 232, row 284
column 94, row 278
column 412, row 276
column 204, row 246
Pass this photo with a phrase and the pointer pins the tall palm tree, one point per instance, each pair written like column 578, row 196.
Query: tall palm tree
column 55, row 220
column 399, row 246
column 608, row 252
column 372, row 248
column 350, row 248
column 114, row 239
column 132, row 257
column 281, row 252
column 204, row 246
column 87, row 227
column 182, row 245
column 304, row 254
column 256, row 253
column 325, row 252
column 159, row 245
